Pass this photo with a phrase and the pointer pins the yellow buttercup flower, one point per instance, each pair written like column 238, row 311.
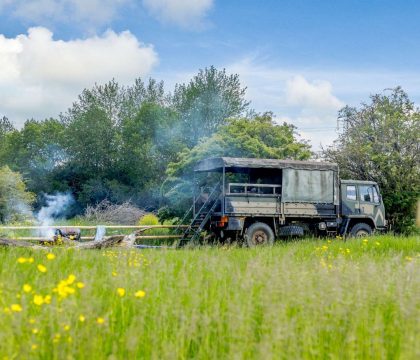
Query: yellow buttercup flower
column 70, row 280
column 35, row 331
column 27, row 288
column 42, row 268
column 100, row 320
column 82, row 318
column 50, row 256
column 34, row 346
column 63, row 289
column 21, row 260
column 121, row 292
column 30, row 260
column 66, row 327
column 140, row 294
column 38, row 300
column 80, row 285
column 16, row 308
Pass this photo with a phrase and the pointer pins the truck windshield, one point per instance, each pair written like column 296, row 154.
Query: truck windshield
column 369, row 193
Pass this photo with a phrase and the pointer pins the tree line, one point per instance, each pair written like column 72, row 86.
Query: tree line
column 139, row 143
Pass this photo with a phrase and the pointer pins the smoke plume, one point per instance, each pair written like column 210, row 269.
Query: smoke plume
column 56, row 207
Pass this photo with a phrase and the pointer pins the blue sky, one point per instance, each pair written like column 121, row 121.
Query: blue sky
column 301, row 59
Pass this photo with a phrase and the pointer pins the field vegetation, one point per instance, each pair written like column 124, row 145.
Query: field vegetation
column 328, row 299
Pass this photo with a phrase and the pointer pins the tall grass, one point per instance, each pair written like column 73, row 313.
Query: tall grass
column 298, row 300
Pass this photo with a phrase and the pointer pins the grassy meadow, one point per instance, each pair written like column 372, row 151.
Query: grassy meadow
column 310, row 299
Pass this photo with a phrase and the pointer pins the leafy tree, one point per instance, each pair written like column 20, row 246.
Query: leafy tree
column 149, row 144
column 92, row 142
column 259, row 137
column 15, row 201
column 35, row 151
column 117, row 102
column 5, row 126
column 206, row 102
column 381, row 142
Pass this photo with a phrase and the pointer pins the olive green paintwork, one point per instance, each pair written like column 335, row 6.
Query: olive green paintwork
column 362, row 199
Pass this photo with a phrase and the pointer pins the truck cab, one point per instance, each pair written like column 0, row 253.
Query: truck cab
column 361, row 203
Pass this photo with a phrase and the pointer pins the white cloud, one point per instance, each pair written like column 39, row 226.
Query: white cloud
column 184, row 13
column 40, row 76
column 90, row 12
column 317, row 94
column 96, row 13
column 309, row 105
column 312, row 105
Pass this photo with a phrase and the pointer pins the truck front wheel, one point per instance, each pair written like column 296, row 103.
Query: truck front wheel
column 259, row 234
column 361, row 230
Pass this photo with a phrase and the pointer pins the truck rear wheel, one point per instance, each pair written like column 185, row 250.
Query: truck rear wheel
column 361, row 230
column 259, row 234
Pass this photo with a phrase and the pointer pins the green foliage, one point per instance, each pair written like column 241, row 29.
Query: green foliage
column 15, row 201
column 259, row 137
column 380, row 142
column 149, row 219
column 119, row 141
column 5, row 126
column 294, row 300
column 149, row 144
column 206, row 102
column 92, row 142
column 37, row 151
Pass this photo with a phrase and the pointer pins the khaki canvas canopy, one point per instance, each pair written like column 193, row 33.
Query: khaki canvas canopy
column 217, row 164
column 303, row 181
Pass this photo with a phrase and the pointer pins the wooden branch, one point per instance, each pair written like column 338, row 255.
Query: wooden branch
column 18, row 243
column 106, row 242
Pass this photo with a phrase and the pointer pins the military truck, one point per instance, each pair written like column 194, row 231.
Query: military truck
column 259, row 200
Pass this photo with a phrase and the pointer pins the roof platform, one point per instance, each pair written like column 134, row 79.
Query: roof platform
column 230, row 163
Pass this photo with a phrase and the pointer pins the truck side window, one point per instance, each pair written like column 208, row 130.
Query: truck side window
column 351, row 192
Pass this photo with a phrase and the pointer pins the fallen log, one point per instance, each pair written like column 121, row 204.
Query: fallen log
column 18, row 243
column 105, row 242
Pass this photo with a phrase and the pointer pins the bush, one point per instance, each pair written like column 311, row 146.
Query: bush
column 148, row 219
column 15, row 201
column 106, row 212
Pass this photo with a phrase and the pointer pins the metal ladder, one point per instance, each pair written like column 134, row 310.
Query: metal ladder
column 201, row 218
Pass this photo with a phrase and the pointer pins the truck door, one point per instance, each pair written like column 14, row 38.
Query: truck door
column 350, row 204
column 371, row 204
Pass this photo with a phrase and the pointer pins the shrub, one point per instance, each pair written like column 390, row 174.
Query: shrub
column 106, row 212
column 15, row 201
column 149, row 219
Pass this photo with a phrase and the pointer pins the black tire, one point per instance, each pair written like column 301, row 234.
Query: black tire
column 291, row 230
column 259, row 234
column 361, row 230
